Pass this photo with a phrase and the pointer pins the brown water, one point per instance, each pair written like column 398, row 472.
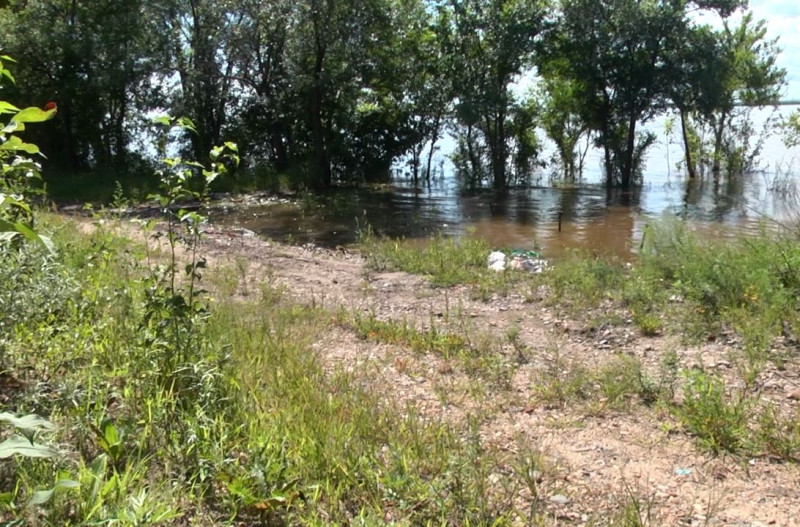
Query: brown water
column 591, row 217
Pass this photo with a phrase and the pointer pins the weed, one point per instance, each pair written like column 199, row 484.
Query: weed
column 634, row 510
column 779, row 436
column 622, row 379
column 431, row 340
column 584, row 280
column 649, row 323
column 512, row 335
column 718, row 421
column 562, row 382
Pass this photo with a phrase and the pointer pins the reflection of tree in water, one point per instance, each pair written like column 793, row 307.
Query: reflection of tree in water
column 713, row 200
column 624, row 197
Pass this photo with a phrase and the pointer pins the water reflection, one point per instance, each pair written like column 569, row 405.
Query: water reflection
column 591, row 218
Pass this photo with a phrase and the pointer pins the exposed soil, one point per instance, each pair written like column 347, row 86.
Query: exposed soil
column 596, row 458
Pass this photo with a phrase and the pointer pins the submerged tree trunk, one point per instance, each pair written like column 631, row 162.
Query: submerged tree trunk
column 690, row 168
column 628, row 168
column 416, row 162
column 474, row 163
column 434, row 139
column 499, row 176
column 719, row 134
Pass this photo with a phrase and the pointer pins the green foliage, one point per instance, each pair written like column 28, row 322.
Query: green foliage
column 431, row 340
column 495, row 42
column 97, row 60
column 779, row 435
column 623, row 379
column 250, row 427
column 791, row 129
column 24, row 445
column 701, row 287
column 741, row 68
column 175, row 308
column 616, row 385
column 327, row 91
column 621, row 61
column 563, row 125
column 20, row 173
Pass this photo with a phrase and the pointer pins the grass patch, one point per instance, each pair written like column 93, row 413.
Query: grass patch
column 614, row 386
column 444, row 261
column 694, row 287
column 431, row 340
column 719, row 421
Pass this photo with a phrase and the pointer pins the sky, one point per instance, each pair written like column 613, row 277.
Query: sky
column 783, row 22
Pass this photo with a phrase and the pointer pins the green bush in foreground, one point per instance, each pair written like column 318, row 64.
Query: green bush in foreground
column 250, row 429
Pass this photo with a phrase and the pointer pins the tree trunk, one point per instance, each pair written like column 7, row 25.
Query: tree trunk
column 322, row 165
column 276, row 139
column 434, row 138
column 690, row 168
column 627, row 166
column 719, row 133
column 416, row 162
column 473, row 161
column 499, row 151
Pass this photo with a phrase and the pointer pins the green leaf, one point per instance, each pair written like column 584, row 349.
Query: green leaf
column 27, row 422
column 14, row 228
column 14, row 143
column 32, row 114
column 18, row 445
column 7, row 74
column 187, row 124
column 6, row 499
column 6, row 200
column 47, row 242
column 7, row 107
column 165, row 120
column 12, row 127
column 40, row 497
column 109, row 439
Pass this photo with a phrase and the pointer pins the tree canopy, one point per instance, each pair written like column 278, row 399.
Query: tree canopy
column 338, row 91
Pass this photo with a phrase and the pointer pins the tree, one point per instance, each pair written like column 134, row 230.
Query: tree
column 493, row 41
column 426, row 72
column 260, row 50
column 791, row 129
column 94, row 59
column 731, row 67
column 615, row 55
column 198, row 51
column 561, row 122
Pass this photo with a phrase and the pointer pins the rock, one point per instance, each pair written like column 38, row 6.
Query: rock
column 794, row 395
column 559, row 499
column 497, row 261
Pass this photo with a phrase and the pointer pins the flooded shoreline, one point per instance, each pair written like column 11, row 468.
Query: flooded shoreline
column 552, row 220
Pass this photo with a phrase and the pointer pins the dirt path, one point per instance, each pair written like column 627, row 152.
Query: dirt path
column 596, row 458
